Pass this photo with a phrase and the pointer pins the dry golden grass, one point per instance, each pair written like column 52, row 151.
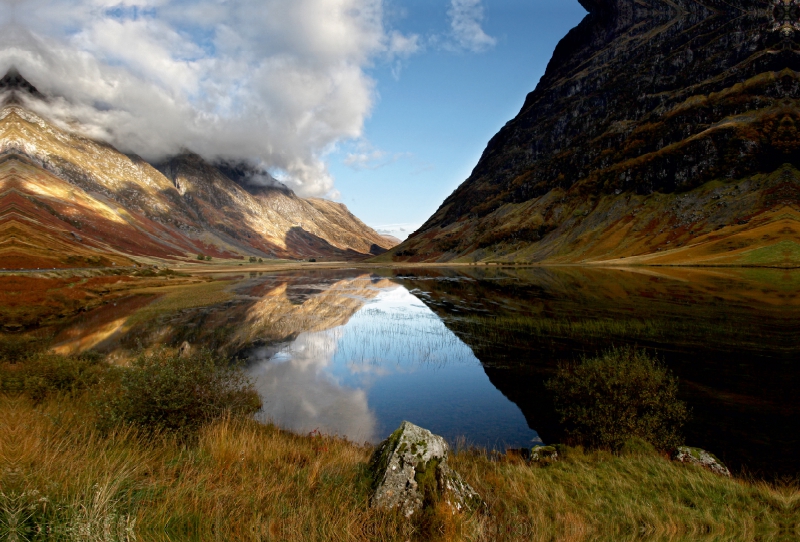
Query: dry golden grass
column 241, row 480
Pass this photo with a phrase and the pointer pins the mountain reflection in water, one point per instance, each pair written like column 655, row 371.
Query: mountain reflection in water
column 466, row 351
column 393, row 360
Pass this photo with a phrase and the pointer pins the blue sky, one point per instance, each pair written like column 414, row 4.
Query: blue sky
column 434, row 117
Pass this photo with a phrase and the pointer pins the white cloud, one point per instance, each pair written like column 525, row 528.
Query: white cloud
column 278, row 81
column 466, row 17
column 401, row 231
column 365, row 156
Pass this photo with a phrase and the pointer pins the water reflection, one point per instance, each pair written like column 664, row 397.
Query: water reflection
column 465, row 351
column 394, row 359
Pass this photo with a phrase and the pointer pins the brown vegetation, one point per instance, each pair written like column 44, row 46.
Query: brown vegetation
column 238, row 479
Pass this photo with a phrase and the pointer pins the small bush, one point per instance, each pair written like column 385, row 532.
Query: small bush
column 208, row 258
column 620, row 395
column 41, row 375
column 201, row 257
column 166, row 391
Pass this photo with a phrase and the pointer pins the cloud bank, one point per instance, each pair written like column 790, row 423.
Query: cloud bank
column 281, row 81
column 277, row 82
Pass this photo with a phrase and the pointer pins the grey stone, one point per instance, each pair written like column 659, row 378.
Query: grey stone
column 698, row 456
column 544, row 454
column 410, row 471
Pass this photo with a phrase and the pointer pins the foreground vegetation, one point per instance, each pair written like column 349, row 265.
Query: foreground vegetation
column 80, row 461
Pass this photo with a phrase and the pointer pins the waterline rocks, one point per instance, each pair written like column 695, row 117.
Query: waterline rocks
column 698, row 456
column 410, row 472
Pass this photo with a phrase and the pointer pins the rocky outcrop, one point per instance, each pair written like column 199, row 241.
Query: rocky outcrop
column 544, row 454
column 698, row 456
column 410, row 471
column 659, row 125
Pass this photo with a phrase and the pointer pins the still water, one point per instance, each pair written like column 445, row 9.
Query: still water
column 393, row 360
column 465, row 352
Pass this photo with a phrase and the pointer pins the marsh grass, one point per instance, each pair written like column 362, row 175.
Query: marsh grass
column 63, row 478
column 246, row 481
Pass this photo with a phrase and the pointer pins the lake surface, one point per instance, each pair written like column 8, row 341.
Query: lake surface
column 465, row 352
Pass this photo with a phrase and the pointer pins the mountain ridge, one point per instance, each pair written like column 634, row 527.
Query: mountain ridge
column 657, row 124
column 114, row 206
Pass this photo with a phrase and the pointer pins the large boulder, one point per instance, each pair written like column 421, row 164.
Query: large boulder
column 410, row 472
column 544, row 454
column 698, row 456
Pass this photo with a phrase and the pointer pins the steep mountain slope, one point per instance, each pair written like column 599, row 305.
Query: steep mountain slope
column 664, row 130
column 307, row 227
column 67, row 201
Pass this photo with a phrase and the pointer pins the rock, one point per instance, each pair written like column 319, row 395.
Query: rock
column 544, row 454
column 410, row 472
column 185, row 350
column 698, row 456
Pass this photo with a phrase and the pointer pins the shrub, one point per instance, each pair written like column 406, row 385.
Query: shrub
column 620, row 395
column 44, row 374
column 253, row 259
column 167, row 391
column 208, row 258
column 201, row 257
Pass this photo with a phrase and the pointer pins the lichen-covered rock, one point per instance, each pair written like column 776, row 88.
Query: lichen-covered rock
column 410, row 472
column 697, row 456
column 544, row 454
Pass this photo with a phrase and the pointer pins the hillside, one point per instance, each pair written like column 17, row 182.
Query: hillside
column 663, row 132
column 68, row 201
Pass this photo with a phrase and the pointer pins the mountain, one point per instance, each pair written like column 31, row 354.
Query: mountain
column 663, row 132
column 69, row 201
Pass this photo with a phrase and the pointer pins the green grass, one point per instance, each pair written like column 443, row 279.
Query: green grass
column 783, row 253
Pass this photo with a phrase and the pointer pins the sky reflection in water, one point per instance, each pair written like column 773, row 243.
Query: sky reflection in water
column 393, row 360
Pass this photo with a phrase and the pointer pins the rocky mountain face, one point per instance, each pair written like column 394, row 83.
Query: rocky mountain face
column 68, row 201
column 663, row 131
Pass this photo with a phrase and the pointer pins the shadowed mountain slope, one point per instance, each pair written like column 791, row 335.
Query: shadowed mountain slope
column 68, row 201
column 661, row 130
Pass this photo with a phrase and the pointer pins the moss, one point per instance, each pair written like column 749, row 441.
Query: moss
column 380, row 460
column 427, row 484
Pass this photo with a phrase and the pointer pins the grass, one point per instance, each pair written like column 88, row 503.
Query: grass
column 62, row 477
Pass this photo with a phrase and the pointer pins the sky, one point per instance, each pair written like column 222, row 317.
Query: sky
column 384, row 105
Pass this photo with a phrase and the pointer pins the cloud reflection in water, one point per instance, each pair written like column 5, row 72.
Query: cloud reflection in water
column 394, row 359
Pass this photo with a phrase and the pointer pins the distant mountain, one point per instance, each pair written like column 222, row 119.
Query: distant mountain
column 68, row 201
column 663, row 132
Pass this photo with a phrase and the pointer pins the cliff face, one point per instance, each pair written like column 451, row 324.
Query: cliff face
column 662, row 129
column 67, row 201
